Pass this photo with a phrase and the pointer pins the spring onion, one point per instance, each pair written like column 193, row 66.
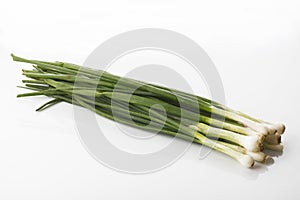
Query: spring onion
column 128, row 101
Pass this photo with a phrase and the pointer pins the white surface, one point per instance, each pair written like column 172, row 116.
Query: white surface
column 255, row 46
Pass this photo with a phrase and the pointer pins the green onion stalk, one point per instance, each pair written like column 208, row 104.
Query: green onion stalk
column 180, row 114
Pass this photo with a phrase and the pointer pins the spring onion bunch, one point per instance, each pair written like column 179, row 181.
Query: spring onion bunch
column 131, row 102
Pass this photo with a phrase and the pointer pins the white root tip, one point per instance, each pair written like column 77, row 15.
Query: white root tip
column 264, row 131
column 280, row 128
column 259, row 127
column 246, row 160
column 258, row 156
column 251, row 143
column 270, row 127
column 272, row 131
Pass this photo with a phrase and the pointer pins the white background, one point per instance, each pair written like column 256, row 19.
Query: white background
column 254, row 44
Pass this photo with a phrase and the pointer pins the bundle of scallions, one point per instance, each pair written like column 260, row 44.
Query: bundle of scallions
column 131, row 102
